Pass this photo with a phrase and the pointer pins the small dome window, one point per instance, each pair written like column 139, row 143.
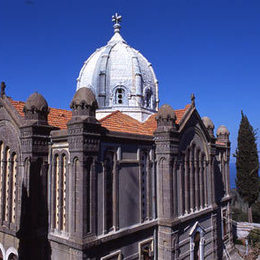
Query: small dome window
column 148, row 97
column 120, row 96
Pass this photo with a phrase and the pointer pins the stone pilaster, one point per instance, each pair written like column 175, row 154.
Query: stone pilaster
column 84, row 142
column 167, row 144
column 35, row 139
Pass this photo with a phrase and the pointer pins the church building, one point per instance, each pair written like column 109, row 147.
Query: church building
column 116, row 177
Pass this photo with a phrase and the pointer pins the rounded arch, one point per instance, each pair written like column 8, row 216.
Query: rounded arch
column 11, row 254
column 162, row 161
column 8, row 131
column 64, row 152
column 193, row 136
column 75, row 159
column 120, row 95
column 148, row 97
column 75, row 165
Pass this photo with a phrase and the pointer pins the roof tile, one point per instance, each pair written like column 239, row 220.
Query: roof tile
column 116, row 121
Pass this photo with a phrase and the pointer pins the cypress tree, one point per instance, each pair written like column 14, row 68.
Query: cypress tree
column 247, row 164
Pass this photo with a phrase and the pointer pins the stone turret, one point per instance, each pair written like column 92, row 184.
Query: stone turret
column 166, row 118
column 36, row 108
column 84, row 141
column 35, row 140
column 209, row 125
column 167, row 144
column 84, row 103
column 223, row 134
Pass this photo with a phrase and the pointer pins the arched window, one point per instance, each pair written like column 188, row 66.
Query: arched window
column 13, row 187
column 7, row 169
column 8, row 175
column 197, row 242
column 12, row 256
column 120, row 97
column 146, row 249
column 224, row 223
column 197, row 246
column 59, row 191
column 148, row 102
column 56, row 191
column 63, row 192
column 76, row 170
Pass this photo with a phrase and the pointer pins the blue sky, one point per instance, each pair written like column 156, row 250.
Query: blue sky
column 210, row 48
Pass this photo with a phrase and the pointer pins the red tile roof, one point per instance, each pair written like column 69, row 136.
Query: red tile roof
column 115, row 121
column 57, row 117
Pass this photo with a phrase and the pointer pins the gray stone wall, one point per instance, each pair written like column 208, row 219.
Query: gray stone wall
column 117, row 195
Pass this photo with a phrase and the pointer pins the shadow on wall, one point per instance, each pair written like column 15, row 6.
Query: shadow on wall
column 220, row 192
column 33, row 233
column 219, row 185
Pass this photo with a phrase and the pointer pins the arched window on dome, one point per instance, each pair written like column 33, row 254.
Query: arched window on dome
column 148, row 98
column 120, row 96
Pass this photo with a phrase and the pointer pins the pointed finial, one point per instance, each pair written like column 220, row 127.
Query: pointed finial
column 116, row 18
column 192, row 100
column 3, row 86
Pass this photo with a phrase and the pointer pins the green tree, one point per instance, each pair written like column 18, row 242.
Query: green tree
column 247, row 164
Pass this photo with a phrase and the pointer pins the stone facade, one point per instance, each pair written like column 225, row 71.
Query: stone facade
column 89, row 193
column 87, row 190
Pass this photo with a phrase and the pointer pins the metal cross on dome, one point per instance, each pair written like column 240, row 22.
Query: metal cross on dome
column 116, row 18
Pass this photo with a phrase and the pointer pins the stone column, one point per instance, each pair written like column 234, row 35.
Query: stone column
column 84, row 141
column 197, row 181
column 206, row 178
column 167, row 143
column 181, row 188
column 175, row 187
column 201, row 187
column 35, row 140
column 202, row 245
column 187, row 193
column 191, row 163
column 210, row 184
column 115, row 193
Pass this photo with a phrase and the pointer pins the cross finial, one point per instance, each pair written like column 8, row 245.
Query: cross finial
column 3, row 86
column 192, row 100
column 116, row 18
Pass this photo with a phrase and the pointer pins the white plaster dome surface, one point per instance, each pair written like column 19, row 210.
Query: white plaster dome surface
column 121, row 78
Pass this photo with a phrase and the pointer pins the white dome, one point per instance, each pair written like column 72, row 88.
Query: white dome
column 121, row 78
